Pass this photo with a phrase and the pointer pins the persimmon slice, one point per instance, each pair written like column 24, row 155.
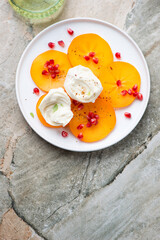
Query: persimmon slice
column 115, row 78
column 41, row 118
column 44, row 82
column 106, row 121
column 84, row 44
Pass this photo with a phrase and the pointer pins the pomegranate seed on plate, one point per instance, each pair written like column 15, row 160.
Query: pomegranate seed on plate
column 70, row 31
column 135, row 87
column 95, row 60
column 80, row 126
column 93, row 121
column 64, row 134
column 51, row 61
column 75, row 102
column 80, row 106
column 130, row 91
column 44, row 72
column 127, row 115
column 92, row 54
column 135, row 94
column 36, row 91
column 88, row 124
column 46, row 64
column 53, row 75
column 61, row 43
column 118, row 55
column 51, row 44
column 56, row 66
column 86, row 58
column 124, row 92
column 118, row 83
column 80, row 136
column 140, row 96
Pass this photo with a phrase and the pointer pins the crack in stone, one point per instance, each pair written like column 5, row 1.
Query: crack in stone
column 156, row 44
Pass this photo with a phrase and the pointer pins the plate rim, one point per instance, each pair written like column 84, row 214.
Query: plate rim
column 91, row 20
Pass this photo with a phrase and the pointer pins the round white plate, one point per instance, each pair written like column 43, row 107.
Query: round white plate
column 119, row 42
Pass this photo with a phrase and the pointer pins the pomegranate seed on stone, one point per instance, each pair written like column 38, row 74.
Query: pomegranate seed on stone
column 56, row 66
column 64, row 134
column 140, row 96
column 44, row 72
column 46, row 64
column 51, row 61
column 92, row 54
column 118, row 55
column 51, row 44
column 135, row 87
column 70, row 31
column 93, row 121
column 135, row 94
column 61, row 43
column 130, row 91
column 80, row 106
column 95, row 60
column 88, row 124
column 127, row 115
column 124, row 92
column 86, row 58
column 80, row 136
column 80, row 126
column 75, row 102
column 118, row 83
column 36, row 91
column 53, row 75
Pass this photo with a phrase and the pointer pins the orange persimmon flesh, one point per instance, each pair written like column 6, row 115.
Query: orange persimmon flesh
column 44, row 82
column 83, row 44
column 41, row 118
column 128, row 76
column 106, row 121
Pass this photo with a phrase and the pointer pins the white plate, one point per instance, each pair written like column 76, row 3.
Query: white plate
column 119, row 41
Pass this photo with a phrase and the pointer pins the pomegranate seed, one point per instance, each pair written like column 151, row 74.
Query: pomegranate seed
column 57, row 71
column 56, row 66
column 93, row 121
column 127, row 115
column 80, row 126
column 46, row 64
column 96, row 122
column 64, row 134
column 124, row 92
column 51, row 44
column 92, row 54
column 118, row 55
column 130, row 91
column 61, row 43
column 53, row 75
column 75, row 102
column 51, row 61
column 80, row 136
column 44, row 72
column 86, row 58
column 96, row 116
column 140, row 96
column 135, row 94
column 80, row 106
column 36, row 91
column 88, row 118
column 70, row 31
column 118, row 83
column 50, row 69
column 95, row 60
column 88, row 124
column 91, row 114
column 135, row 87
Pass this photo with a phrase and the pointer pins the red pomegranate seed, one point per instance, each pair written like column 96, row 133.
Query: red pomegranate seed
column 140, row 96
column 135, row 94
column 118, row 55
column 135, row 87
column 70, row 31
column 93, row 121
column 57, row 71
column 124, row 92
column 36, row 91
column 80, row 106
column 95, row 60
column 46, row 64
column 50, row 69
column 80, row 135
column 96, row 116
column 51, row 61
column 91, row 114
column 86, row 58
column 51, row 44
column 44, row 72
column 92, row 54
column 53, row 75
column 88, row 124
column 61, row 43
column 80, row 126
column 130, row 91
column 64, row 134
column 75, row 102
column 127, row 115
column 56, row 66
column 118, row 83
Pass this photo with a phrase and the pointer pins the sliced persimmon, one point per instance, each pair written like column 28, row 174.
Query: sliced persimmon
column 46, row 82
column 84, row 44
column 106, row 121
column 41, row 118
column 117, row 77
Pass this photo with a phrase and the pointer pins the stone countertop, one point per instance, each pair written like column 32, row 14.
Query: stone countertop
column 105, row 195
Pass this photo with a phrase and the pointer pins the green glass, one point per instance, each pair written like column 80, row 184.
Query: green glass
column 38, row 9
